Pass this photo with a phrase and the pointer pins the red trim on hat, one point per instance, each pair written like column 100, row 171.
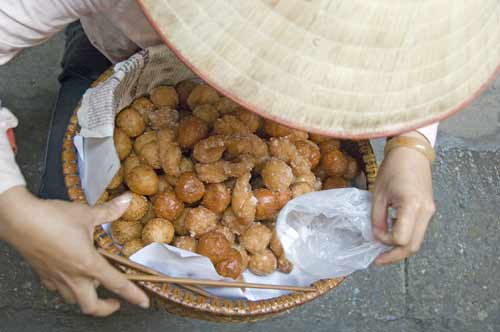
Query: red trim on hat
column 12, row 139
column 262, row 113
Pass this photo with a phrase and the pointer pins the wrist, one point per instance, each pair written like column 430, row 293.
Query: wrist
column 16, row 204
column 412, row 142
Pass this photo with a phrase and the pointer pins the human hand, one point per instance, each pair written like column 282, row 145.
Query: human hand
column 56, row 238
column 404, row 183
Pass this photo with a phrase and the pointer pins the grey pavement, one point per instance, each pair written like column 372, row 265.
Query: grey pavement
column 451, row 285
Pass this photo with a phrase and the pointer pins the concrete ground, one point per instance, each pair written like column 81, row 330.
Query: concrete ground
column 451, row 285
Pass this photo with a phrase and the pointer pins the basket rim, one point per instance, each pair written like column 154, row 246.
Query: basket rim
column 174, row 293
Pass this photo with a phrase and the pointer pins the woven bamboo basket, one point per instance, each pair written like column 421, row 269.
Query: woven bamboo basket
column 183, row 302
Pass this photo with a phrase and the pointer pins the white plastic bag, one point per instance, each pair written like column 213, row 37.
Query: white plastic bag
column 328, row 234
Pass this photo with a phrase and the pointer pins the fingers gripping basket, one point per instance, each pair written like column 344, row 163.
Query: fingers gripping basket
column 178, row 300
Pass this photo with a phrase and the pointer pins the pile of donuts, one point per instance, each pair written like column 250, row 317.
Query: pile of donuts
column 208, row 176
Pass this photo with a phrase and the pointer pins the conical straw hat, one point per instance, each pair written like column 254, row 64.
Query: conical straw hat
column 349, row 68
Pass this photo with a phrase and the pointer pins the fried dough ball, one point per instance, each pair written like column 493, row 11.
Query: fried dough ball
column 282, row 197
column 238, row 144
column 250, row 119
column 209, row 150
column 170, row 153
column 277, row 175
column 148, row 155
column 137, row 208
column 189, row 188
column 141, row 141
column 215, row 246
column 164, row 96
column 267, row 204
column 186, row 242
column 200, row 220
column 222, row 170
column 256, row 238
column 217, row 197
column 158, row 230
column 131, row 247
column 224, row 230
column 263, row 263
column 168, row 206
column 352, row 168
column 131, row 122
column 309, row 178
column 130, row 163
column 191, row 131
column 230, row 125
column 180, row 223
column 317, row 138
column 225, row 105
column 117, row 180
column 184, row 89
column 335, row 182
column 275, row 129
column 275, row 244
column 202, row 94
column 207, row 113
column 186, row 165
column 329, row 145
column 163, row 185
column 284, row 149
column 163, row 118
column 301, row 188
column 334, row 163
column 124, row 231
column 237, row 225
column 123, row 143
column 150, row 214
column 320, row 173
column 284, row 265
column 143, row 105
column 244, row 256
column 243, row 202
column 309, row 151
column 232, row 266
column 142, row 180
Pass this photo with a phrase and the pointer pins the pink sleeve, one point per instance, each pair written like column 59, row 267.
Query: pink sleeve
column 430, row 132
column 10, row 174
column 25, row 23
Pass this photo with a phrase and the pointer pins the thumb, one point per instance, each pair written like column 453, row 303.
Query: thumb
column 111, row 210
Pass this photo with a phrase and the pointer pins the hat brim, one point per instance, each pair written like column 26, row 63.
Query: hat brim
column 208, row 58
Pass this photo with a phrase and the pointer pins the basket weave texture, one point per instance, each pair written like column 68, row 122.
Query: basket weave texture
column 183, row 302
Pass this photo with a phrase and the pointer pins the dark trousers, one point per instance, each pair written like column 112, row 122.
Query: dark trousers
column 82, row 64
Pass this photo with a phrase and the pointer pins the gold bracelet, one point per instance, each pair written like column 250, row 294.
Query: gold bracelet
column 414, row 143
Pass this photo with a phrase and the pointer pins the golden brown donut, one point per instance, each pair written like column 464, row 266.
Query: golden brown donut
column 275, row 244
column 163, row 118
column 180, row 223
column 168, row 206
column 263, row 263
column 123, row 143
column 148, row 155
column 225, row 105
column 352, row 168
column 189, row 188
column 329, row 145
column 215, row 246
column 232, row 266
column 164, row 96
column 142, row 180
column 256, row 238
column 131, row 122
column 131, row 247
column 250, row 119
column 334, row 163
column 137, row 208
column 236, row 225
column 117, row 180
column 186, row 242
column 209, row 150
column 284, row 265
column 267, row 204
column 143, row 105
column 310, row 151
column 191, row 131
column 147, row 137
column 131, row 162
column 207, row 113
column 301, row 188
column 200, row 220
column 184, row 89
column 217, row 197
column 202, row 94
column 158, row 230
column 224, row 230
column 277, row 175
column 230, row 125
column 334, row 182
column 124, row 231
